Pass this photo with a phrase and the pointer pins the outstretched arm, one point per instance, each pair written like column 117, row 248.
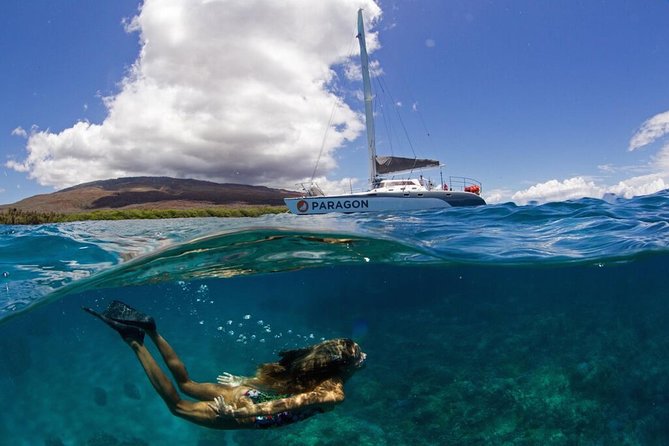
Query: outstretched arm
column 324, row 396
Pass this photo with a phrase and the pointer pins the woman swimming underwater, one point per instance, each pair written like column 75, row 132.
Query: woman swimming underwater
column 303, row 383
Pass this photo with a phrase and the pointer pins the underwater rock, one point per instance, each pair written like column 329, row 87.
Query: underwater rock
column 131, row 391
column 100, row 396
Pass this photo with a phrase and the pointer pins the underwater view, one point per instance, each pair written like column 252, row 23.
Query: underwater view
column 492, row 325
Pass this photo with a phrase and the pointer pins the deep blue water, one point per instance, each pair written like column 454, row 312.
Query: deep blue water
column 492, row 325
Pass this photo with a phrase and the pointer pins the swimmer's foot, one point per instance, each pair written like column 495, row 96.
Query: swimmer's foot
column 125, row 314
column 127, row 332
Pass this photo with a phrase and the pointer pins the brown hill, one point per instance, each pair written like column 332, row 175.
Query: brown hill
column 150, row 193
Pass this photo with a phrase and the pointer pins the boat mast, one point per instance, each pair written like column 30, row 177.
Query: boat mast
column 369, row 112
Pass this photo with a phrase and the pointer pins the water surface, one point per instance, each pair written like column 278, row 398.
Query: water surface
column 493, row 325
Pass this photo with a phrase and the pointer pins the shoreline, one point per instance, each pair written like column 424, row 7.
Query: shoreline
column 17, row 216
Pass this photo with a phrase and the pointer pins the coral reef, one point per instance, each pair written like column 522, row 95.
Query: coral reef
column 325, row 430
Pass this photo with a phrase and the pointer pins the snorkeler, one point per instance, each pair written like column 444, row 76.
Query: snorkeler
column 303, row 383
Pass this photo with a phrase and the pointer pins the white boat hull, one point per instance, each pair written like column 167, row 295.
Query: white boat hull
column 381, row 202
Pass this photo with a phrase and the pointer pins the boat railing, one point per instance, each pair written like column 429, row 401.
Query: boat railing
column 463, row 184
column 460, row 184
column 311, row 190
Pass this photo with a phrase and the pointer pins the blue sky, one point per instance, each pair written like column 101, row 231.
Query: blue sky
column 540, row 100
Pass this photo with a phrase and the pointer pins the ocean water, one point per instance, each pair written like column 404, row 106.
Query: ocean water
column 494, row 325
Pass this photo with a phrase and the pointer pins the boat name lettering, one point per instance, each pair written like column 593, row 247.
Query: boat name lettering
column 323, row 205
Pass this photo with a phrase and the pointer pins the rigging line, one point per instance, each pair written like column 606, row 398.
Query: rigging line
column 399, row 117
column 414, row 101
column 378, row 104
column 407, row 87
column 325, row 136
column 386, row 124
column 332, row 113
column 391, row 134
column 388, row 132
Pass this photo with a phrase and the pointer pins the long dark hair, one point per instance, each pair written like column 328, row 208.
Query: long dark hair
column 303, row 369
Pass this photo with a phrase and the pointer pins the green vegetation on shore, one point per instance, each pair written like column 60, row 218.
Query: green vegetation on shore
column 16, row 216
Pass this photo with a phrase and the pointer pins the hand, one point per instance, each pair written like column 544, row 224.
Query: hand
column 229, row 380
column 221, row 408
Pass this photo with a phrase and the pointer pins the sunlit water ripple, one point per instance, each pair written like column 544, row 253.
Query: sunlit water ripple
column 37, row 260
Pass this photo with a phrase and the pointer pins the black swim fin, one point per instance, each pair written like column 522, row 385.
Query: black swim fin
column 126, row 331
column 125, row 314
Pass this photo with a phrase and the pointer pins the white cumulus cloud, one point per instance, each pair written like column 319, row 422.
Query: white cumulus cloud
column 653, row 129
column 650, row 131
column 342, row 186
column 554, row 190
column 496, row 196
column 641, row 185
column 579, row 187
column 226, row 90
column 20, row 132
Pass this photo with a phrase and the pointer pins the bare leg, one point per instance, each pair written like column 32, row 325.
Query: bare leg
column 200, row 391
column 196, row 412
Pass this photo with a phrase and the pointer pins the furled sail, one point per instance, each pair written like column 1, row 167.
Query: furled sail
column 390, row 164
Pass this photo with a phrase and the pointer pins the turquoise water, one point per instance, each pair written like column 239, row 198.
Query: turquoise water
column 494, row 325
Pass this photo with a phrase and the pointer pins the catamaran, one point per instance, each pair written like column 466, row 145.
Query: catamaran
column 388, row 194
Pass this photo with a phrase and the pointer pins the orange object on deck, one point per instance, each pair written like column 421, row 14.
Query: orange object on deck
column 474, row 188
